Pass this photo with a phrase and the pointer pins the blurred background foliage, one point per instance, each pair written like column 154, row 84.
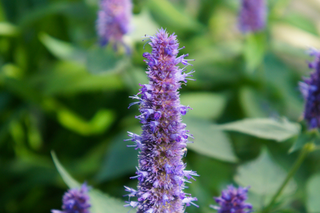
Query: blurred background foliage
column 60, row 91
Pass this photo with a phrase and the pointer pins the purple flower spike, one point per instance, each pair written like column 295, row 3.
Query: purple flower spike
column 75, row 201
column 161, row 172
column 232, row 200
column 310, row 89
column 113, row 20
column 252, row 15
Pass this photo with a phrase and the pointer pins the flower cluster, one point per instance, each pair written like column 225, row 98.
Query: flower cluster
column 113, row 20
column 310, row 89
column 252, row 15
column 161, row 172
column 232, row 200
column 75, row 201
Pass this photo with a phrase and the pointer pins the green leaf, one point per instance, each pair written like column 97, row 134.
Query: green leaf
column 102, row 60
column 301, row 141
column 143, row 24
column 264, row 176
column 33, row 133
column 2, row 13
column 7, row 29
column 204, row 105
column 303, row 22
column 100, row 202
column 12, row 71
column 72, row 183
column 277, row 77
column 201, row 163
column 170, row 16
column 257, row 201
column 289, row 210
column 35, row 14
column 203, row 194
column 133, row 77
column 17, row 132
column 209, row 141
column 254, row 50
column 13, row 118
column 20, row 88
column 213, row 67
column 87, row 164
column 264, row 128
column 115, row 164
column 313, row 193
column 62, row 50
column 97, row 125
column 251, row 102
column 71, row 78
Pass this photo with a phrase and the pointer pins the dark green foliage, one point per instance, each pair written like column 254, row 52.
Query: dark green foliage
column 59, row 91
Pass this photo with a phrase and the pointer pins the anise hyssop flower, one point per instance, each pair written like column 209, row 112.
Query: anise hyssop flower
column 161, row 172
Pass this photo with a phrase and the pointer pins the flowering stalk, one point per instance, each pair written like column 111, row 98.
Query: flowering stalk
column 307, row 148
column 252, row 16
column 75, row 201
column 310, row 89
column 113, row 20
column 232, row 200
column 161, row 172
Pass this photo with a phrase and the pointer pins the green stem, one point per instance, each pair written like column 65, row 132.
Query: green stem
column 306, row 149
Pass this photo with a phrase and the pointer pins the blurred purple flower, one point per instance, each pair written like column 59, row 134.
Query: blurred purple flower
column 232, row 200
column 310, row 89
column 113, row 20
column 75, row 201
column 252, row 15
column 161, row 172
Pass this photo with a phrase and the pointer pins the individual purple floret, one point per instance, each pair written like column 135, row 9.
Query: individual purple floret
column 161, row 172
column 232, row 200
column 252, row 15
column 75, row 201
column 310, row 89
column 113, row 20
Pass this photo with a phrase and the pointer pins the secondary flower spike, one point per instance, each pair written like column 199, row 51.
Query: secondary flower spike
column 161, row 172
column 113, row 20
column 75, row 201
column 310, row 89
column 253, row 14
column 232, row 200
